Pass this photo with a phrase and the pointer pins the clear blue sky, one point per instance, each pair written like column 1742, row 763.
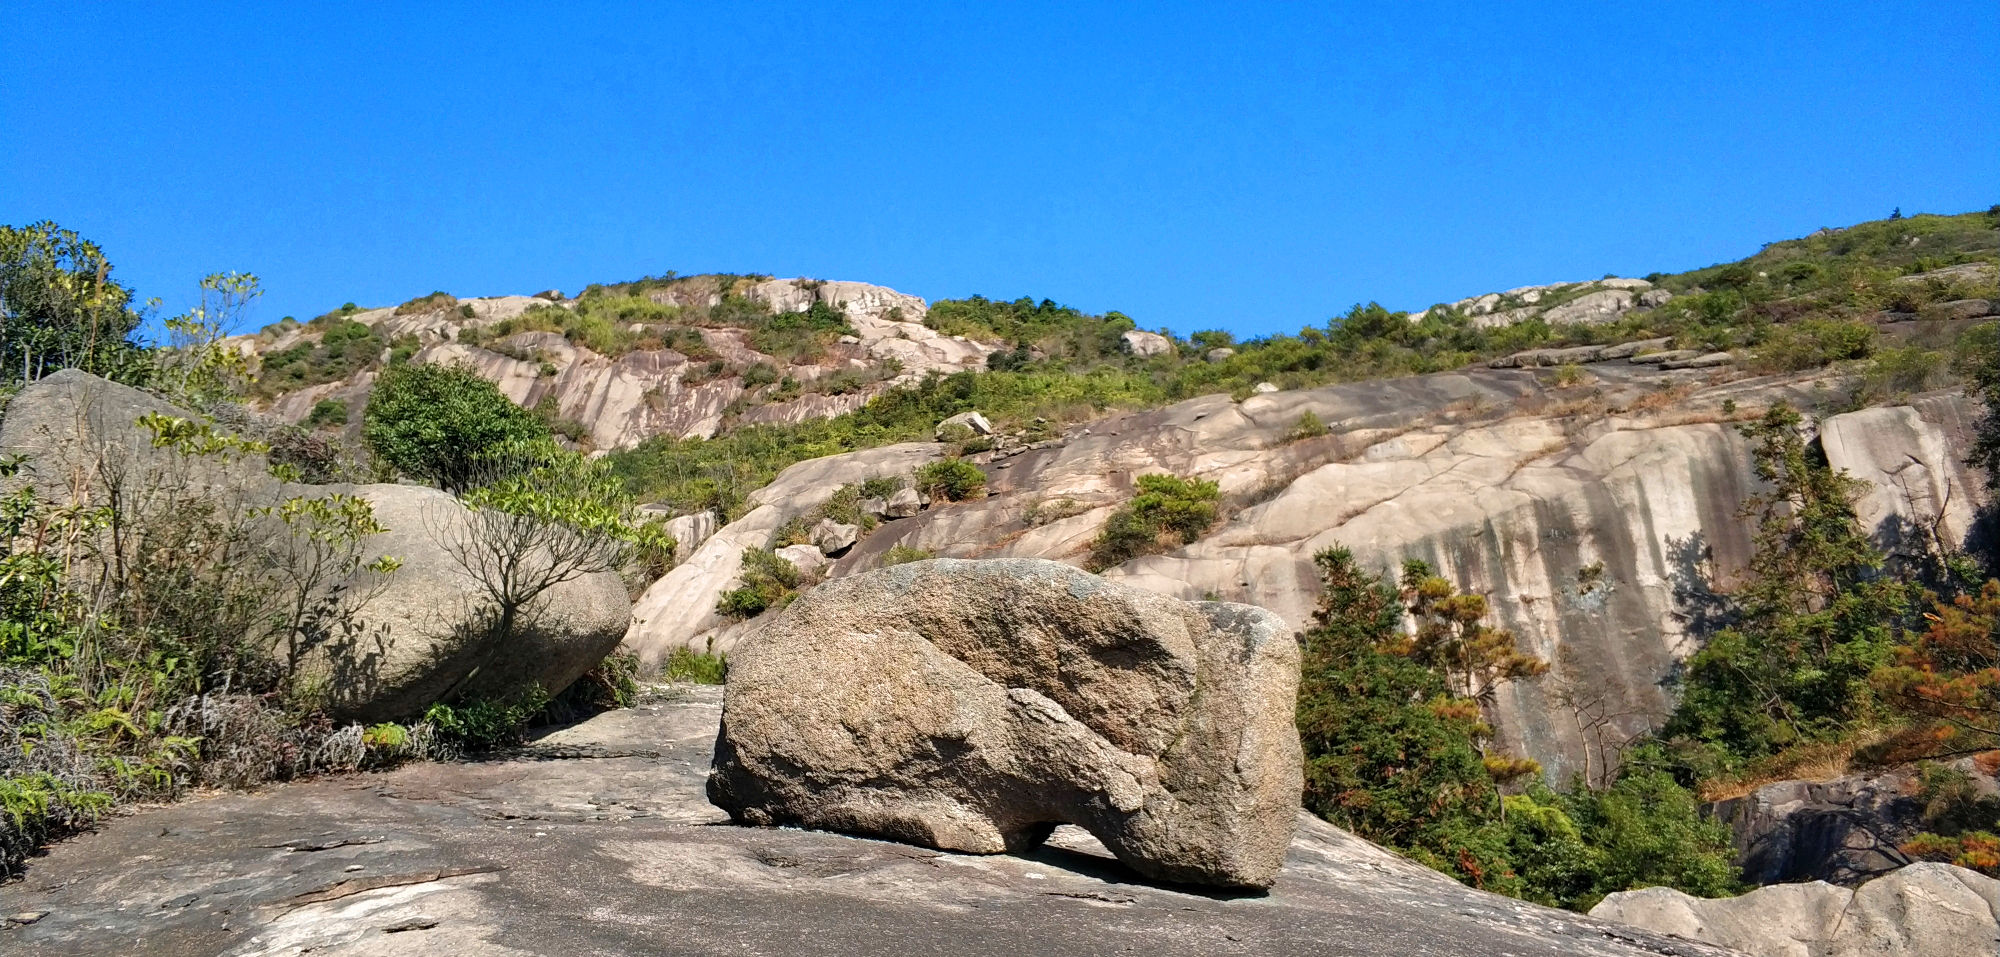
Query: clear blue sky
column 1250, row 167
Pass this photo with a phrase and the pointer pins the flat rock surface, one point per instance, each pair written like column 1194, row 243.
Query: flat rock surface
column 596, row 840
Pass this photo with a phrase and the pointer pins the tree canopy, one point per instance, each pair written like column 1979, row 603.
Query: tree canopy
column 443, row 424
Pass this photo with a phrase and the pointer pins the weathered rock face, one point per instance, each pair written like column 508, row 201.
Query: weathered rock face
column 1581, row 303
column 80, row 432
column 596, row 839
column 679, row 610
column 1601, row 522
column 1844, row 831
column 973, row 706
column 1919, row 492
column 1924, row 910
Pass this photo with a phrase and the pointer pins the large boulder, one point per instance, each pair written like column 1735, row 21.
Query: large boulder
column 690, row 530
column 427, row 631
column 374, row 646
column 80, row 433
column 1145, row 344
column 1924, row 910
column 835, row 538
column 974, row 705
column 903, row 504
column 971, row 420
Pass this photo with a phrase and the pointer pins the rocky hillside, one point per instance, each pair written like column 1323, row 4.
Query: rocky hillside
column 1568, row 450
column 1600, row 517
column 675, row 357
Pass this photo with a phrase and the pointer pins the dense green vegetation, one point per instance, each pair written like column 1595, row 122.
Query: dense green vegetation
column 441, row 424
column 1397, row 752
column 1168, row 512
column 344, row 348
column 60, row 309
column 1837, row 658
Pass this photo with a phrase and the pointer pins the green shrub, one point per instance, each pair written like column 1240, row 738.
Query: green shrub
column 344, row 348
column 881, row 486
column 1893, row 374
column 435, row 302
column 483, row 724
column 327, row 412
column 844, row 506
column 951, row 479
column 759, row 374
column 439, row 423
column 1813, row 343
column 904, row 554
column 695, row 667
column 1168, row 511
column 1308, row 426
column 768, row 582
column 612, row 684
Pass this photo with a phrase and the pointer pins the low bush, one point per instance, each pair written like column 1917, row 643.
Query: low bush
column 344, row 348
column 483, row 724
column 327, row 412
column 1169, row 511
column 695, row 667
column 613, row 684
column 768, row 582
column 881, row 486
column 950, row 479
column 435, row 302
column 1813, row 343
column 1308, row 426
column 904, row 554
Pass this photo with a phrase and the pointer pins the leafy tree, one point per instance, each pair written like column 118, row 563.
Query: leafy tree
column 443, row 424
column 1948, row 676
column 195, row 367
column 60, row 309
column 1817, row 617
column 1389, row 754
column 1453, row 639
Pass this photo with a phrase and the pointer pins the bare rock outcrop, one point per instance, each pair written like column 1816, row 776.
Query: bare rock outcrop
column 1924, row 910
column 678, row 611
column 596, row 839
column 1563, row 303
column 1145, row 344
column 1844, row 830
column 974, row 706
